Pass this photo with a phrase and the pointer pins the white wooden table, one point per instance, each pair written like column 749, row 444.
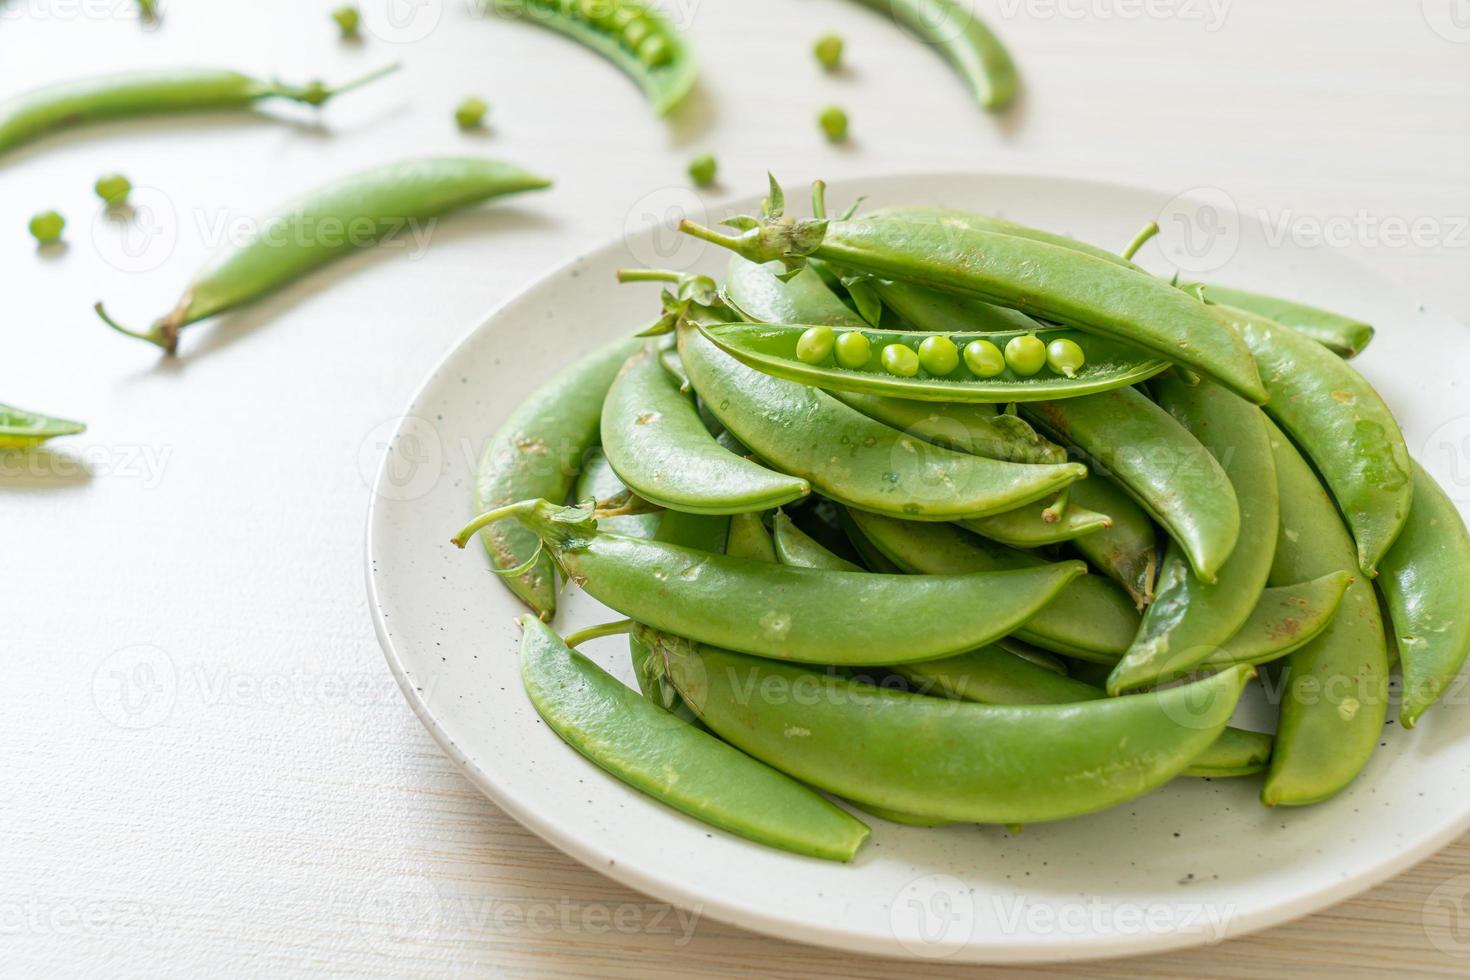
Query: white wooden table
column 208, row 769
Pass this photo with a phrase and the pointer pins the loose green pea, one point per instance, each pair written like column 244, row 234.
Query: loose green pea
column 984, row 359
column 702, row 169
column 814, row 344
column 348, row 21
column 900, row 360
column 834, row 123
column 1025, row 355
column 939, row 355
column 853, row 350
column 113, row 189
column 470, row 114
column 1064, row 356
column 828, row 50
column 47, row 227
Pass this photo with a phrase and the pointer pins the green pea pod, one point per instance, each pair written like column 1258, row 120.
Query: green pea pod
column 1027, row 527
column 1334, row 690
column 932, row 311
column 1062, row 285
column 1091, row 619
column 1190, row 619
column 20, row 429
column 849, row 457
column 674, row 762
column 634, row 36
column 1237, row 752
column 1426, row 579
column 1128, row 550
column 976, row 428
column 776, row 611
column 1158, row 462
column 749, row 539
column 538, row 452
column 796, row 548
column 976, row 221
column 772, row 349
column 1342, row 335
column 1343, row 426
column 126, row 95
column 906, row 819
column 331, row 222
column 598, row 482
column 757, row 292
column 658, row 445
column 950, row 759
column 1284, row 619
column 965, row 42
column 873, row 557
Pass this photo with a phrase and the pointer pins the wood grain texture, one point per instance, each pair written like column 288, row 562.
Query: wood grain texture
column 209, row 769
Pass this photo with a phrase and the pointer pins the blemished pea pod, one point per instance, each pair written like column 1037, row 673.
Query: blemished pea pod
column 1027, row 527
column 939, row 758
column 796, row 548
column 538, row 452
column 1190, row 619
column 1334, row 690
column 965, row 42
column 1162, row 466
column 126, row 95
column 774, row 610
column 773, row 348
column 598, row 482
column 633, row 35
column 1426, row 579
column 1342, row 425
column 329, row 223
column 1051, row 282
column 1091, row 619
column 851, row 458
column 20, row 429
column 1343, row 335
column 975, row 428
column 1284, row 619
column 749, row 539
column 655, row 440
column 1128, row 551
column 672, row 761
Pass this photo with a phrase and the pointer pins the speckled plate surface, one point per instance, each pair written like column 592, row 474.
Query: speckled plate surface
column 1194, row 863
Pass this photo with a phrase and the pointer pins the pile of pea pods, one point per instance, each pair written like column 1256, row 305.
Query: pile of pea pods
column 956, row 520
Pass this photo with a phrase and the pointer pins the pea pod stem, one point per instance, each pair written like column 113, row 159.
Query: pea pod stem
column 617, row 627
column 1141, row 239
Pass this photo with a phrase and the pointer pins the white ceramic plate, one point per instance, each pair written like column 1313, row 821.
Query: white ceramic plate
column 1193, row 863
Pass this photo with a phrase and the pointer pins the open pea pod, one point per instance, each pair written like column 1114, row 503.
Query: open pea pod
column 20, row 429
column 772, row 349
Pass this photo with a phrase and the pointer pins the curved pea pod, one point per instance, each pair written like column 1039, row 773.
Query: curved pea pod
column 538, row 452
column 670, row 760
column 976, row 428
column 20, row 429
column 1027, row 527
column 965, row 42
column 749, row 539
column 873, row 557
column 1190, row 619
column 1343, row 335
column 776, row 611
column 1284, row 619
column 634, row 36
column 598, row 482
column 950, row 759
column 976, row 221
column 932, row 311
column 772, row 349
column 1342, row 425
column 1237, row 752
column 1334, row 690
column 1162, row 466
column 1128, row 550
column 1090, row 620
column 1426, row 579
column 655, row 440
column 757, row 292
column 906, row 819
column 1051, row 282
column 126, row 95
column 851, row 458
column 796, row 548
column 331, row 222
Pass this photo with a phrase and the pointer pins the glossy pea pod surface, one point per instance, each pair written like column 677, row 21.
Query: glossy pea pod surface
column 538, row 452
column 940, row 758
column 20, row 429
column 777, row 611
column 965, row 42
column 333, row 221
column 1342, row 424
column 655, row 440
column 672, row 761
column 851, row 458
column 798, row 549
column 1031, row 527
column 1163, row 467
column 1127, row 550
column 1343, row 335
column 598, row 482
column 1334, row 690
column 1189, row 619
